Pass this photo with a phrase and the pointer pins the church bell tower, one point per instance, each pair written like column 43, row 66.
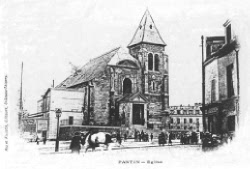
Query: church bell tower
column 148, row 47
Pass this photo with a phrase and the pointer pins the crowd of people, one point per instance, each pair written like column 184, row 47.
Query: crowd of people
column 44, row 139
column 208, row 140
column 165, row 138
column 212, row 141
column 142, row 136
column 189, row 139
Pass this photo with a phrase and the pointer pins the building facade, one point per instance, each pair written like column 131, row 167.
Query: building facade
column 71, row 103
column 186, row 118
column 127, row 87
column 222, row 82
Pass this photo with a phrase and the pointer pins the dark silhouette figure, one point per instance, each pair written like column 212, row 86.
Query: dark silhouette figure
column 44, row 140
column 37, row 140
column 170, row 139
column 118, row 138
column 151, row 137
column 146, row 137
column 125, row 137
column 75, row 145
column 182, row 139
column 139, row 136
column 135, row 134
column 162, row 139
column 142, row 135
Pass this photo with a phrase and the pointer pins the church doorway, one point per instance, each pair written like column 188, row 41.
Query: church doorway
column 127, row 86
column 138, row 114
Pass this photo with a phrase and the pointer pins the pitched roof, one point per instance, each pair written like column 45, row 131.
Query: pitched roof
column 147, row 32
column 122, row 55
column 133, row 97
column 94, row 68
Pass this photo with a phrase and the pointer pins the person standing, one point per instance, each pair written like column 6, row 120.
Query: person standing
column 118, row 138
column 75, row 144
column 170, row 139
column 142, row 135
column 159, row 139
column 182, row 139
column 151, row 137
column 44, row 140
column 125, row 137
column 146, row 135
column 37, row 140
column 135, row 135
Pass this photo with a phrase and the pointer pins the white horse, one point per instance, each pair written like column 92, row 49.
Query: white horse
column 94, row 140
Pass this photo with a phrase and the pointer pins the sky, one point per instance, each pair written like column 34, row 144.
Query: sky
column 48, row 35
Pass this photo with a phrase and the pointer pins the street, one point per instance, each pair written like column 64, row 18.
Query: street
column 30, row 155
column 49, row 148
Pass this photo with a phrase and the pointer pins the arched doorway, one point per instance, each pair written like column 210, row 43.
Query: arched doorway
column 127, row 86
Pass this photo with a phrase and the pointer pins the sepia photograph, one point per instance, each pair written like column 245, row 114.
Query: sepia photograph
column 108, row 84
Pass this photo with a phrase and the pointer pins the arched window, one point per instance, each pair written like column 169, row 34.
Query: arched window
column 150, row 61
column 127, row 86
column 156, row 62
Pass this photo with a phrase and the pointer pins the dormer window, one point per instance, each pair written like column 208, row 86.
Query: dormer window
column 228, row 33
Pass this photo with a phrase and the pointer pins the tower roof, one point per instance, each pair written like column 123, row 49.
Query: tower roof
column 122, row 55
column 147, row 32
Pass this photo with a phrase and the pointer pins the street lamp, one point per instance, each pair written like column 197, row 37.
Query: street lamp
column 203, row 88
column 58, row 115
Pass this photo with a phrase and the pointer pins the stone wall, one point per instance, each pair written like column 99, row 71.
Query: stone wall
column 120, row 74
column 102, row 99
column 217, row 70
column 126, row 108
column 155, row 83
column 211, row 72
column 223, row 62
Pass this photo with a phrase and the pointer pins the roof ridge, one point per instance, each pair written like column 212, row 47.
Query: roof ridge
column 137, row 28
column 91, row 60
column 106, row 53
column 86, row 67
column 144, row 25
column 157, row 29
column 92, row 68
column 144, row 35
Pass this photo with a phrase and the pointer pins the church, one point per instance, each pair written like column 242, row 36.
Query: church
column 126, row 87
